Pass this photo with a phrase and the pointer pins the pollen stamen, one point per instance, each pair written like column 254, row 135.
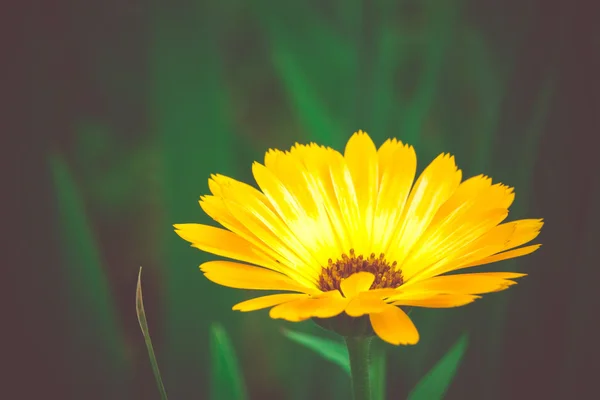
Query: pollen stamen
column 386, row 274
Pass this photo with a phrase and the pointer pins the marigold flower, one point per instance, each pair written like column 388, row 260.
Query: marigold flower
column 354, row 234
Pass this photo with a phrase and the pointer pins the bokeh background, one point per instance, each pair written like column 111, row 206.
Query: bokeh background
column 128, row 106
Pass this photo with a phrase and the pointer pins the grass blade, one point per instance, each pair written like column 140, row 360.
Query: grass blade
column 330, row 350
column 435, row 384
column 141, row 314
column 94, row 335
column 227, row 382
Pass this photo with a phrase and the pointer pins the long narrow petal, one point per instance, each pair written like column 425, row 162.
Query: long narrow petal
column 242, row 276
column 219, row 210
column 505, row 255
column 394, row 326
column 483, row 248
column 217, row 183
column 317, row 161
column 361, row 158
column 435, row 185
column 397, row 169
column 477, row 283
column 269, row 229
column 268, row 301
column 345, row 193
column 525, row 231
column 467, row 190
column 296, row 197
column 448, row 240
column 436, row 300
column 223, row 243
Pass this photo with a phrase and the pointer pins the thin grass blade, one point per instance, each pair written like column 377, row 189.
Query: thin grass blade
column 227, row 382
column 336, row 352
column 435, row 384
column 141, row 315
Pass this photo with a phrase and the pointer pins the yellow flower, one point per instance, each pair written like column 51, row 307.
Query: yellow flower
column 355, row 234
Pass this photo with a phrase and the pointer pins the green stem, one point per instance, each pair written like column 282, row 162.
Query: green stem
column 358, row 351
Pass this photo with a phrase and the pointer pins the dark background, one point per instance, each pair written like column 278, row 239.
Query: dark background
column 117, row 111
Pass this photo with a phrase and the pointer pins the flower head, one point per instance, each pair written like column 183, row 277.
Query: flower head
column 356, row 235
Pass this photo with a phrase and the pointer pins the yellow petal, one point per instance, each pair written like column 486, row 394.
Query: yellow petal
column 242, row 276
column 359, row 306
column 477, row 283
column 385, row 154
column 394, row 326
column 271, row 230
column 378, row 293
column 435, row 185
column 267, row 301
column 317, row 161
column 286, row 204
column 486, row 244
column 226, row 187
column 447, row 240
column 293, row 311
column 523, row 251
column 361, row 158
column 217, row 209
column 466, row 191
column 327, row 307
column 300, row 310
column 436, row 300
column 470, row 213
column 296, row 197
column 397, row 169
column 347, row 204
column 502, row 237
column 525, row 231
column 356, row 283
column 223, row 243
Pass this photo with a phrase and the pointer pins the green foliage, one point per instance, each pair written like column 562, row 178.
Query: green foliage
column 434, row 385
column 141, row 314
column 188, row 103
column 227, row 382
column 94, row 336
column 333, row 351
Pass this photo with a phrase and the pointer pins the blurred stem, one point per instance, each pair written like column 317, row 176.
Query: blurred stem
column 358, row 351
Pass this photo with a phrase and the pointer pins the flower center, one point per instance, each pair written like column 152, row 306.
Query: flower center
column 386, row 275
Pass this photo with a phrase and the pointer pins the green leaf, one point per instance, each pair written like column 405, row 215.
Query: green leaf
column 141, row 315
column 333, row 351
column 227, row 382
column 94, row 335
column 434, row 385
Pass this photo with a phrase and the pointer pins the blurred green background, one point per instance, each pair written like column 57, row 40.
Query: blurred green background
column 132, row 104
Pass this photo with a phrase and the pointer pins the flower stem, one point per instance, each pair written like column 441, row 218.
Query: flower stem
column 358, row 351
